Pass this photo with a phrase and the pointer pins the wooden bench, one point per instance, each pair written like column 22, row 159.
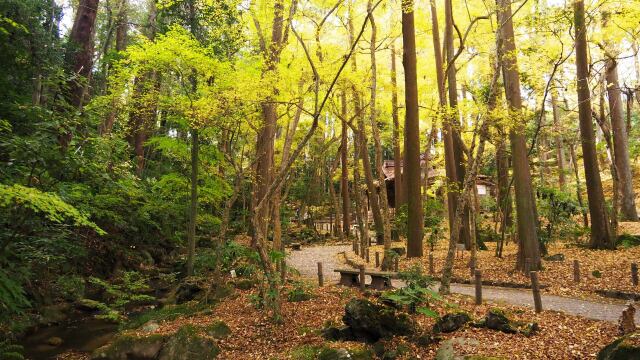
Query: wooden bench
column 296, row 246
column 380, row 280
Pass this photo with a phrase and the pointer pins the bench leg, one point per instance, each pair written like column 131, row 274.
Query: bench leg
column 381, row 283
column 348, row 279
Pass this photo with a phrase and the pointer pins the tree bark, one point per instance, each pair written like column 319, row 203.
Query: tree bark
column 456, row 155
column 193, row 204
column 600, row 231
column 525, row 205
column 558, row 139
column 79, row 58
column 574, row 161
column 411, row 134
column 397, row 156
column 344, row 176
column 620, row 144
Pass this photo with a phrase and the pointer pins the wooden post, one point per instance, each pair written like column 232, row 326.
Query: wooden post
column 472, row 267
column 362, row 280
column 535, row 286
column 478, row 275
column 320, row 274
column 527, row 265
column 377, row 259
column 576, row 271
column 367, row 255
column 431, row 265
column 396, row 265
column 357, row 248
column 634, row 274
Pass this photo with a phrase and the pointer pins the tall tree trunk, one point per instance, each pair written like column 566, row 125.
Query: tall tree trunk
column 382, row 199
column 576, row 173
column 454, row 122
column 344, row 177
column 193, row 204
column 411, row 134
column 334, row 198
column 600, row 231
column 558, row 138
column 79, row 58
column 620, row 144
column 399, row 198
column 361, row 211
column 122, row 26
column 526, row 213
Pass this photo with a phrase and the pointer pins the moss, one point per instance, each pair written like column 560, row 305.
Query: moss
column 304, row 352
column 244, row 284
column 166, row 313
column 218, row 330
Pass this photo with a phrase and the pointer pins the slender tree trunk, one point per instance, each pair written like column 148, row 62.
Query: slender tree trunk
column 558, row 139
column 600, row 231
column 399, row 199
column 79, row 58
column 620, row 144
column 122, row 26
column 454, row 122
column 576, row 173
column 382, row 199
column 334, row 198
column 361, row 211
column 344, row 178
column 526, row 213
column 411, row 133
column 193, row 205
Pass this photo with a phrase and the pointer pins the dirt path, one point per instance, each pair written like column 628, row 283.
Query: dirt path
column 306, row 261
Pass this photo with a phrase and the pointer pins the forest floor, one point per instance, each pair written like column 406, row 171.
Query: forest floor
column 305, row 261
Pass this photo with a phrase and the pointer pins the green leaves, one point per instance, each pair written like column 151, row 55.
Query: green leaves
column 20, row 198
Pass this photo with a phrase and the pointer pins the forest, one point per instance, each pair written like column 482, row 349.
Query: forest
column 319, row 179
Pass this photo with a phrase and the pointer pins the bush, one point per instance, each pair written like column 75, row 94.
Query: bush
column 416, row 295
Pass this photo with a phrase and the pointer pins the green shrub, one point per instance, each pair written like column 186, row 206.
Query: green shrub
column 416, row 295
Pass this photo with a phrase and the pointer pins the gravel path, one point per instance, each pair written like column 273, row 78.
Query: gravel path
column 306, row 261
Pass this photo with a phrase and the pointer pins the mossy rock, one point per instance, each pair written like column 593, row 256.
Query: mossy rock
column 187, row 344
column 244, row 284
column 496, row 319
column 451, row 322
column 126, row 347
column 624, row 348
column 218, row 329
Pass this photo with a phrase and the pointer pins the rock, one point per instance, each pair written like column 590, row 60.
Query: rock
column 126, row 347
column 186, row 292
column 448, row 350
column 333, row 333
column 217, row 330
column 556, row 257
column 624, row 348
column 399, row 250
column 370, row 322
column 54, row 314
column 627, row 324
column 244, row 284
column 54, row 341
column 497, row 320
column 150, row 327
column 425, row 339
column 187, row 344
column 333, row 354
column 451, row 322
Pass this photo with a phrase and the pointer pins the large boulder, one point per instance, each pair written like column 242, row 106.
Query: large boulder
column 370, row 322
column 188, row 291
column 624, row 348
column 451, row 322
column 186, row 343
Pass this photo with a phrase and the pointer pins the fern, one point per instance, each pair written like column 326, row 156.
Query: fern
column 9, row 351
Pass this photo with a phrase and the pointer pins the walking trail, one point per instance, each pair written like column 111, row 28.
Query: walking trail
column 305, row 261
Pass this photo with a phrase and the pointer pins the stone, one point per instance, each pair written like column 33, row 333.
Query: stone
column 187, row 291
column 555, row 257
column 54, row 314
column 496, row 319
column 187, row 344
column 627, row 324
column 244, row 284
column 334, row 333
column 217, row 330
column 150, row 327
column 333, row 354
column 126, row 347
column 451, row 322
column 449, row 349
column 425, row 339
column 624, row 348
column 370, row 322
column 54, row 341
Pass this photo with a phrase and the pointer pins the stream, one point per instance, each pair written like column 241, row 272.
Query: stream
column 83, row 334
